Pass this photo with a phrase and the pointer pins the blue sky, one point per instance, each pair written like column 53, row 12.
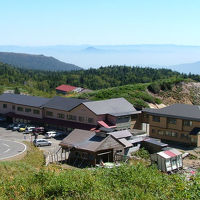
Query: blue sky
column 75, row 22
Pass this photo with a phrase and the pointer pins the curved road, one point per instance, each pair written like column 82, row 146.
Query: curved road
column 9, row 149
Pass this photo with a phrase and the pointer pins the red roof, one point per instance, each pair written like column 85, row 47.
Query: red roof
column 102, row 123
column 66, row 88
column 170, row 153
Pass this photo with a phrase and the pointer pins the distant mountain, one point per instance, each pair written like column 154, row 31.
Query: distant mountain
column 193, row 68
column 94, row 56
column 39, row 62
column 92, row 50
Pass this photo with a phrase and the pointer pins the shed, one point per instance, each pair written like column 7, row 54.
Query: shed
column 168, row 160
column 153, row 145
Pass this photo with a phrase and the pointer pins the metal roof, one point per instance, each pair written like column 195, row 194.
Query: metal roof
column 81, row 139
column 169, row 153
column 184, row 111
column 120, row 134
column 125, row 142
column 66, row 88
column 25, row 100
column 155, row 141
column 62, row 103
column 111, row 106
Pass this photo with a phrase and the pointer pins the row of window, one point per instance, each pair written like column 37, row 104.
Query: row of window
column 167, row 133
column 172, row 121
column 173, row 134
column 21, row 109
column 71, row 117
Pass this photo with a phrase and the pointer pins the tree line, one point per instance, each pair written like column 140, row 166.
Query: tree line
column 101, row 78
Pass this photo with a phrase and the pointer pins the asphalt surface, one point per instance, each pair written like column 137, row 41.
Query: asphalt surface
column 11, row 143
column 10, row 149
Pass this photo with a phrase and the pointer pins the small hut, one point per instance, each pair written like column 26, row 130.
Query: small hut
column 168, row 160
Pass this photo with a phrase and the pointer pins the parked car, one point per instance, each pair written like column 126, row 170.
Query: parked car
column 17, row 126
column 41, row 142
column 3, row 119
column 50, row 134
column 10, row 126
column 60, row 136
column 29, row 129
column 22, row 128
column 39, row 130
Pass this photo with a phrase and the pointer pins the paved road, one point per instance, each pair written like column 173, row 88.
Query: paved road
column 10, row 149
column 8, row 135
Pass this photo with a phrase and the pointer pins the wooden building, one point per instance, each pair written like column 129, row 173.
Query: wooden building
column 179, row 123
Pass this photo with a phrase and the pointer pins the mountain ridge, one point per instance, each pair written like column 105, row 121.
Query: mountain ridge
column 36, row 62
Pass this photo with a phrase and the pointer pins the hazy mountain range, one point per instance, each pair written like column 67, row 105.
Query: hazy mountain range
column 170, row 56
column 38, row 62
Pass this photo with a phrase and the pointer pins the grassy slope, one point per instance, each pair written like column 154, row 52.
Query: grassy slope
column 136, row 94
column 29, row 179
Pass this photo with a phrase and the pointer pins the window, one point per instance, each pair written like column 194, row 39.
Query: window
column 60, row 115
column 174, row 134
column 81, row 119
column 13, row 107
column 193, row 139
column 184, row 135
column 36, row 112
column 156, row 119
column 20, row 109
column 49, row 113
column 187, row 123
column 153, row 131
column 161, row 132
column 171, row 121
column 71, row 117
column 27, row 110
column 118, row 151
column 168, row 133
column 4, row 105
column 90, row 120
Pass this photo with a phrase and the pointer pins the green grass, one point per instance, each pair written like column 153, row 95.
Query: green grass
column 28, row 179
column 136, row 94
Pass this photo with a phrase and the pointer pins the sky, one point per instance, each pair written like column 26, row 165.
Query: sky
column 99, row 22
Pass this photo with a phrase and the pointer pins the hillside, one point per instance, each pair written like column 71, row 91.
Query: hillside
column 140, row 86
column 29, row 179
column 38, row 62
column 183, row 92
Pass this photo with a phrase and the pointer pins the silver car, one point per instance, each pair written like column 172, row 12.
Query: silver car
column 41, row 142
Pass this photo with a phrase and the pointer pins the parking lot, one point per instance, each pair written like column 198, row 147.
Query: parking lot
column 9, row 142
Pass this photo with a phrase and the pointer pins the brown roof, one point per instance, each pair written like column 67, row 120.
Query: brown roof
column 85, row 140
column 121, row 134
column 82, row 139
column 125, row 142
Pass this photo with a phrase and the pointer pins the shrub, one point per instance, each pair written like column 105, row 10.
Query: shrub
column 154, row 88
column 142, row 153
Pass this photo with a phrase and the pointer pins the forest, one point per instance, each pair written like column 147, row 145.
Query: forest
column 110, row 79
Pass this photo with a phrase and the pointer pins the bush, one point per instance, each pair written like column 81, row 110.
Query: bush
column 142, row 153
column 154, row 88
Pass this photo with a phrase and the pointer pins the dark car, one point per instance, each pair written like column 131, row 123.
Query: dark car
column 3, row 119
column 17, row 127
column 60, row 136
column 10, row 126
